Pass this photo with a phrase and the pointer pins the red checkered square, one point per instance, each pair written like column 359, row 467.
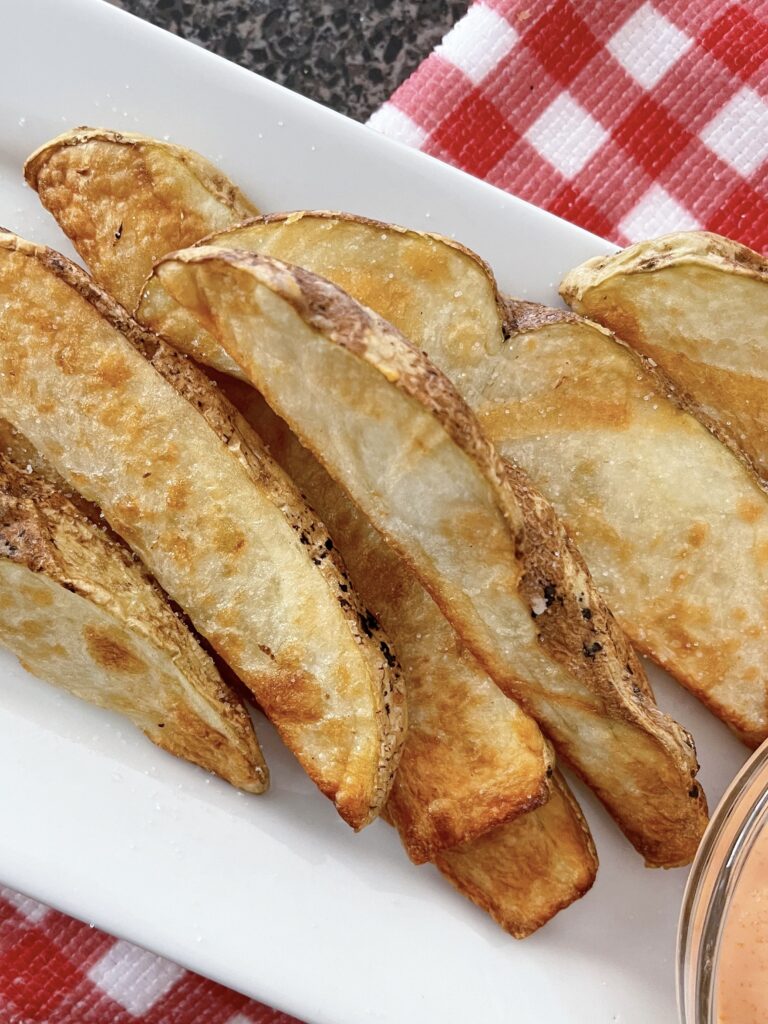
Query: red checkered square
column 739, row 40
column 563, row 42
column 474, row 135
column 742, row 212
column 651, row 136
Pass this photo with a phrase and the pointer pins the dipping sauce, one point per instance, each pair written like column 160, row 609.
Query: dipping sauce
column 741, row 980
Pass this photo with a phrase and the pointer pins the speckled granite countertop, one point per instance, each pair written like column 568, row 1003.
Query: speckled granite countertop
column 349, row 55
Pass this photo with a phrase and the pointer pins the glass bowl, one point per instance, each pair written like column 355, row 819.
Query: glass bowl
column 732, row 840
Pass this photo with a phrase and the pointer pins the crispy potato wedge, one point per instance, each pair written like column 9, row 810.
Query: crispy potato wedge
column 396, row 435
column 472, row 759
column 524, row 873
column 469, row 747
column 697, row 304
column 574, row 409
column 132, row 192
column 141, row 432
column 81, row 613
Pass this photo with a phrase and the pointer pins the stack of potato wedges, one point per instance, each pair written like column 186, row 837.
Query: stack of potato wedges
column 324, row 455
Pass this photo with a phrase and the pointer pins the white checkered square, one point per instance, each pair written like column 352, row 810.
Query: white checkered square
column 133, row 977
column 647, row 45
column 33, row 911
column 566, row 135
column 393, row 122
column 657, row 213
column 477, row 43
column 739, row 132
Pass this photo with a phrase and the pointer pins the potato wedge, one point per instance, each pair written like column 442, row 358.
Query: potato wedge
column 468, row 746
column 131, row 192
column 81, row 613
column 472, row 759
column 524, row 873
column 697, row 304
column 395, row 434
column 141, row 432
column 582, row 416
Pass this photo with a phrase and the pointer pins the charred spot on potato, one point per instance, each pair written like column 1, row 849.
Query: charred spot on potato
column 590, row 650
column 368, row 623
column 586, row 613
column 389, row 657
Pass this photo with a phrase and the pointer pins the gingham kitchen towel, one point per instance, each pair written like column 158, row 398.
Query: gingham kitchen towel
column 630, row 118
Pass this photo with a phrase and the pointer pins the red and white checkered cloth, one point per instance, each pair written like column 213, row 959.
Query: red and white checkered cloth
column 630, row 118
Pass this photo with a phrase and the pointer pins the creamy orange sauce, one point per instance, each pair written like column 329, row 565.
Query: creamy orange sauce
column 742, row 969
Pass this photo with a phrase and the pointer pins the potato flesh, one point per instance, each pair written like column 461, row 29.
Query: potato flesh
column 182, row 196
column 472, row 759
column 523, row 873
column 674, row 529
column 123, row 437
column 80, row 613
column 387, row 452
column 706, row 326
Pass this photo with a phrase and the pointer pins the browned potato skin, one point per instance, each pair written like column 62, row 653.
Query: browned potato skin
column 649, row 752
column 81, row 613
column 368, row 673
column 465, row 751
column 472, row 759
column 697, row 305
column 183, row 195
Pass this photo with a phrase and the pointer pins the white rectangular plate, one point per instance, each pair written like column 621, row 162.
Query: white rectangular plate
column 275, row 896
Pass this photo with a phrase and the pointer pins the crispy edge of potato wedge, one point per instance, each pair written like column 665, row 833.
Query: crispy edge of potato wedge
column 730, row 403
column 115, row 194
column 131, row 653
column 666, row 834
column 526, row 872
column 472, row 759
column 698, row 247
column 357, row 799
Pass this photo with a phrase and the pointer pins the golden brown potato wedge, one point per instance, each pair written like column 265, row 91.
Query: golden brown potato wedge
column 472, row 759
column 524, row 873
column 697, row 304
column 141, row 432
column 592, row 427
column 396, row 435
column 81, row 613
column 131, row 193
column 469, row 749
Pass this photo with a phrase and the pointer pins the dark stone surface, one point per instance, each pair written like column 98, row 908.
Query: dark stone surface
column 350, row 56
